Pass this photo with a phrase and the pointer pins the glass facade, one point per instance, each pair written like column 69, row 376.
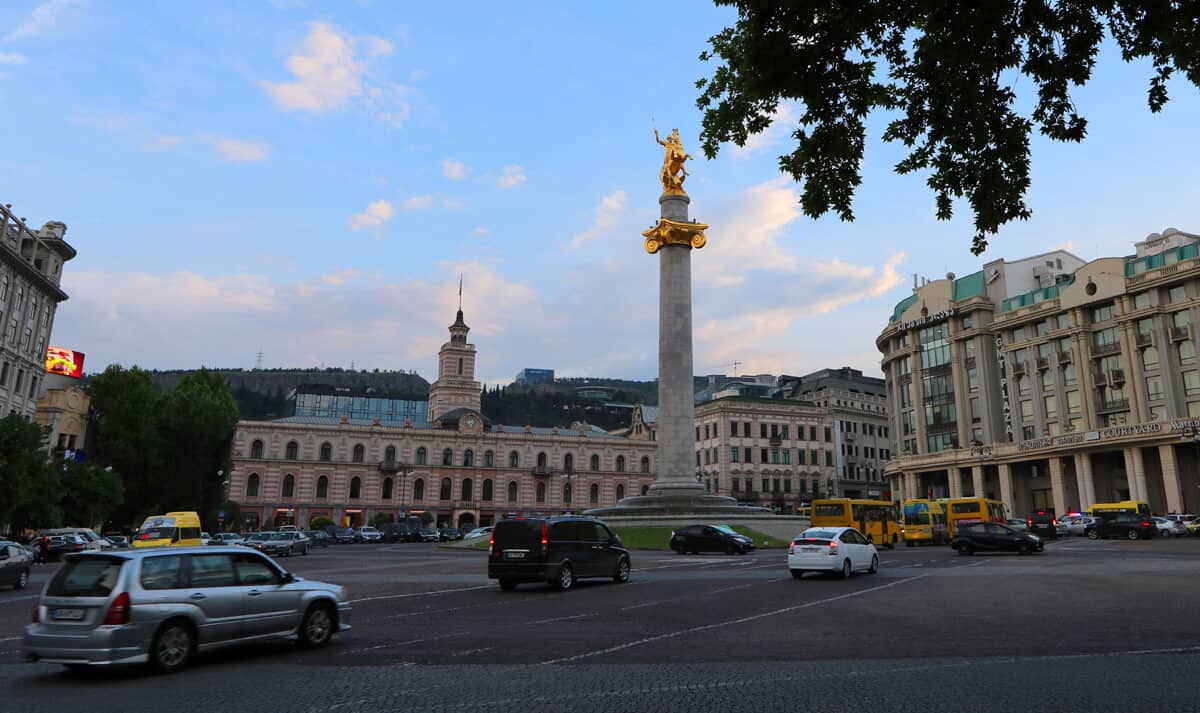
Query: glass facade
column 937, row 386
column 361, row 407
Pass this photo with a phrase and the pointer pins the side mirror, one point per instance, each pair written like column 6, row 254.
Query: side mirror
column 288, row 578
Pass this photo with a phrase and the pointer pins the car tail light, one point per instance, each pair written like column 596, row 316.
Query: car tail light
column 545, row 539
column 492, row 546
column 118, row 613
column 1146, row 523
column 792, row 549
column 832, row 548
column 1029, row 522
column 37, row 613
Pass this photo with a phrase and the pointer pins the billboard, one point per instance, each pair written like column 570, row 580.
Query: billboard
column 68, row 362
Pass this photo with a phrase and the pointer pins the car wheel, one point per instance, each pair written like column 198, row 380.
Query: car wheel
column 874, row 564
column 316, row 628
column 304, row 551
column 566, row 577
column 622, row 574
column 171, row 648
column 22, row 580
column 508, row 585
column 1024, row 549
column 731, row 549
column 846, row 569
column 1093, row 534
column 1133, row 535
column 966, row 549
column 797, row 573
column 679, row 550
column 1165, row 533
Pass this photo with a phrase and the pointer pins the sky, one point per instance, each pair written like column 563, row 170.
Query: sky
column 309, row 180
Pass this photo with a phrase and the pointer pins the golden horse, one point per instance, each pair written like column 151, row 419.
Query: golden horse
column 673, row 171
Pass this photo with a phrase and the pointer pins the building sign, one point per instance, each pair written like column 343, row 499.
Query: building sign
column 68, row 362
column 1008, row 421
column 928, row 319
column 1103, row 434
column 1192, row 424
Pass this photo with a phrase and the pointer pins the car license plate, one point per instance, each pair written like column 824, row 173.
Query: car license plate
column 810, row 549
column 66, row 614
column 515, row 555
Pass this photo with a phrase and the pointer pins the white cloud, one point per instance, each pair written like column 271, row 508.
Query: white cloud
column 481, row 232
column 42, row 19
column 513, row 176
column 238, row 150
column 161, row 143
column 377, row 46
column 455, row 170
column 374, row 216
column 416, row 202
column 610, row 207
column 12, row 58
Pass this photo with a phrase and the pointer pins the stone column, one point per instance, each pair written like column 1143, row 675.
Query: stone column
column 1135, row 474
column 1006, row 488
column 1083, row 476
column 1056, row 486
column 955, row 476
column 977, row 480
column 676, row 407
column 1170, row 475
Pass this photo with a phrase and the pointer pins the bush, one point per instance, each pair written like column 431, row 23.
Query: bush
column 384, row 518
column 426, row 517
column 320, row 522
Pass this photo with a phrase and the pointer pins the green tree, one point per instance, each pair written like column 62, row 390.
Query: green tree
column 320, row 522
column 129, row 437
column 946, row 70
column 37, row 507
column 199, row 420
column 90, row 493
column 231, row 521
column 22, row 461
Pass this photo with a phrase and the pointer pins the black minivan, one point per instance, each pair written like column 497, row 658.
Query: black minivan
column 1043, row 523
column 555, row 550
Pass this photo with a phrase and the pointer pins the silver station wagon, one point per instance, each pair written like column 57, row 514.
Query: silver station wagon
column 162, row 606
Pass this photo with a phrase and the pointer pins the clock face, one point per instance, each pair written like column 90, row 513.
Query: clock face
column 470, row 423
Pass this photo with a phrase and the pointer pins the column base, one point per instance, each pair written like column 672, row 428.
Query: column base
column 679, row 502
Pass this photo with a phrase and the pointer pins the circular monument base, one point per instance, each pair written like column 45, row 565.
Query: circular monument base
column 684, row 502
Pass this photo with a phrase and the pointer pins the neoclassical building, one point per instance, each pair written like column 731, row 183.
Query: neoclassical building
column 458, row 465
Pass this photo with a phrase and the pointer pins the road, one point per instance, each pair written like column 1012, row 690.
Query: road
column 1086, row 625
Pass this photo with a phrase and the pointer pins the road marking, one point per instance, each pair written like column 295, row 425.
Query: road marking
column 418, row 594
column 11, row 638
column 19, row 599
column 730, row 589
column 648, row 604
column 471, row 652
column 402, row 643
column 729, row 622
column 563, row 618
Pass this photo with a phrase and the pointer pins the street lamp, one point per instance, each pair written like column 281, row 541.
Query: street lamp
column 403, row 469
column 567, row 474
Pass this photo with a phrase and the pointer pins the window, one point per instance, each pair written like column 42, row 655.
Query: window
column 646, row 464
column 326, row 452
column 967, row 322
column 355, row 488
column 512, row 491
column 1050, row 403
column 488, row 458
column 594, row 494
column 289, row 486
column 4, row 374
column 256, row 449
column 762, row 430
column 486, row 495
column 733, row 455
column 468, row 459
column 733, row 428
column 292, row 450
column 1158, row 413
column 1180, row 319
column 1069, row 375
column 594, row 463
column 566, row 494
column 252, row 486
column 787, row 457
column 460, row 366
column 212, row 571
column 620, row 491
column 541, row 461
column 468, row 489
column 419, row 489
column 1187, row 352
column 360, row 454
column 745, row 429
column 323, row 486
column 620, row 464
column 1072, row 402
column 1191, row 382
column 540, row 493
column 1024, row 386
column 569, row 463
column 1102, row 314
column 763, row 455
column 447, row 456
column 514, row 460
column 252, row 569
column 828, row 435
column 422, row 457
column 445, row 491
column 161, row 572
column 1176, row 294
column 1141, row 300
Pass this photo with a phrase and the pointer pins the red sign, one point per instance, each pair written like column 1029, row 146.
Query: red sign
column 68, row 362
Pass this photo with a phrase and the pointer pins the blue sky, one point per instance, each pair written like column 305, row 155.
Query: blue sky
column 310, row 179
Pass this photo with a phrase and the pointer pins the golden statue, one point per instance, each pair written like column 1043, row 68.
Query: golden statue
column 673, row 171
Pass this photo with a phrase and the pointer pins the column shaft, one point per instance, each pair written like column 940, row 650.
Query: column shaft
column 1056, row 485
column 955, row 477
column 1170, row 471
column 977, row 480
column 1083, row 476
column 1006, row 488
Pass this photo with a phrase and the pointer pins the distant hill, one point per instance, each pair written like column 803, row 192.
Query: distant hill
column 634, row 391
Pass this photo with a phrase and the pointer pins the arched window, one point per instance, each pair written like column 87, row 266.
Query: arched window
column 541, row 492
column 447, row 457
column 326, row 452
column 460, row 366
column 620, row 492
column 389, row 454
column 541, row 460
column 293, row 451
column 514, row 460
column 421, row 456
column 645, row 489
column 256, row 449
column 289, row 486
column 487, row 490
column 359, row 453
column 566, row 493
column 645, row 464
column 355, row 488
column 252, row 486
column 620, row 464
column 445, row 490
column 419, row 489
column 468, row 489
column 595, row 465
column 594, row 494
column 512, row 491
column 468, row 459
column 387, row 489
column 569, row 463
column 487, row 459
column 323, row 486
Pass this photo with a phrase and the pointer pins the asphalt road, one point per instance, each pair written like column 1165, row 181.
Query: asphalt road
column 1084, row 626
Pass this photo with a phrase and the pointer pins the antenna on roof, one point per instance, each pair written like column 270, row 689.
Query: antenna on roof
column 460, row 278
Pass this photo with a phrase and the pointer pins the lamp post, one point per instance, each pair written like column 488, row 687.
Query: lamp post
column 403, row 469
column 981, row 450
column 568, row 491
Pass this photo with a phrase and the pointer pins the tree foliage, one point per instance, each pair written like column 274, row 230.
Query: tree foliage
column 199, row 420
column 23, row 471
column 90, row 493
column 947, row 71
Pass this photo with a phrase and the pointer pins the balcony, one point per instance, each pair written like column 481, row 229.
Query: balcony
column 1043, row 363
column 776, row 440
column 1179, row 334
column 1145, row 339
column 1106, row 406
column 466, row 505
column 541, row 471
column 1116, row 377
column 393, row 466
column 1110, row 348
column 849, row 436
column 1065, row 357
column 1018, row 368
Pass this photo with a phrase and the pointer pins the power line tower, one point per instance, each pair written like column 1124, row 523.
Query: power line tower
column 258, row 361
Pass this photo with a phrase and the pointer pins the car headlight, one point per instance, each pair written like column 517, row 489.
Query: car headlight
column 1035, row 538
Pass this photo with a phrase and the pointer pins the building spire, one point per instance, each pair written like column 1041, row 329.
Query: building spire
column 460, row 276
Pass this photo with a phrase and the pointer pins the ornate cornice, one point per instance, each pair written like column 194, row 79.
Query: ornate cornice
column 672, row 232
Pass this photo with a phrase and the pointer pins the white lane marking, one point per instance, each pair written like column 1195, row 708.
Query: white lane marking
column 648, row 604
column 729, row 622
column 730, row 589
column 419, row 594
column 402, row 643
column 471, row 652
column 563, row 618
column 423, row 612
column 19, row 599
column 11, row 638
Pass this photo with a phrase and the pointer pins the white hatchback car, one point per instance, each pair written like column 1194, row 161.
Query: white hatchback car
column 844, row 550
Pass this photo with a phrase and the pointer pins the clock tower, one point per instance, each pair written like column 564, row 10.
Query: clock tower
column 455, row 387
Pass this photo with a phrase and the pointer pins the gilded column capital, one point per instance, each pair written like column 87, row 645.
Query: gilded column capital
column 673, row 232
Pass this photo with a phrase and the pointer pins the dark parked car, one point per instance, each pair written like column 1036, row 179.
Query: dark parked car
column 994, row 537
column 407, row 530
column 51, row 548
column 318, row 538
column 343, row 536
column 1130, row 525
column 449, row 534
column 710, row 538
column 15, row 565
column 556, row 550
column 428, row 534
column 1043, row 523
